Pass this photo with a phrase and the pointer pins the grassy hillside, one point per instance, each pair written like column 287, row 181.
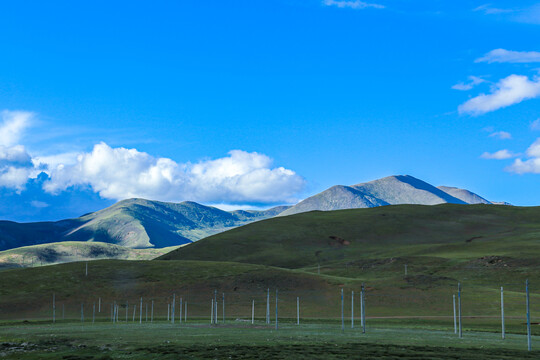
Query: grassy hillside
column 68, row 251
column 133, row 223
column 357, row 237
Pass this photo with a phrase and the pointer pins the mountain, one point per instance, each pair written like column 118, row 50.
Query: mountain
column 391, row 190
column 133, row 223
column 465, row 195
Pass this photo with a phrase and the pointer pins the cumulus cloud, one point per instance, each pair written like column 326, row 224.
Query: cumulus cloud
column 357, row 4
column 15, row 163
column 13, row 125
column 503, row 135
column 464, row 86
column 120, row 173
column 498, row 155
column 508, row 56
column 508, row 91
column 531, row 165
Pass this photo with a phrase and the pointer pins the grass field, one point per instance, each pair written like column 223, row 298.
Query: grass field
column 234, row 340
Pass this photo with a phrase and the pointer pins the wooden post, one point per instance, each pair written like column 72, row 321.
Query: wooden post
column 342, row 318
column 252, row 312
column 276, row 309
column 127, row 307
column 173, row 306
column 86, row 274
column 223, row 305
column 53, row 308
column 361, row 307
column 82, row 312
column 459, row 311
column 455, row 320
column 297, row 310
column 99, row 305
column 140, row 313
column 529, row 344
column 63, row 312
column 503, row 331
column 185, row 313
column 352, row 309
column 113, row 312
column 94, row 313
column 318, row 269
column 215, row 305
column 146, row 317
column 134, row 309
column 152, row 315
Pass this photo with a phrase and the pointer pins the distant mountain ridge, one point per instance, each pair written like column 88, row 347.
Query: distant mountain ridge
column 134, row 223
column 391, row 190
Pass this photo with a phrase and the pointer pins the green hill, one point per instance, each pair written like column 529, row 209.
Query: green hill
column 68, row 251
column 133, row 223
column 441, row 241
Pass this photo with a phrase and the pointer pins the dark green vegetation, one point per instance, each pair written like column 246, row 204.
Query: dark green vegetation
column 134, row 223
column 197, row 341
column 408, row 316
column 68, row 251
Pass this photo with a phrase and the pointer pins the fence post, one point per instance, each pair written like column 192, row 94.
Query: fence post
column 152, row 313
column 94, row 313
column 99, row 305
column 134, row 309
column 215, row 305
column 223, row 303
column 140, row 313
column 82, row 312
column 502, row 314
column 529, row 345
column 268, row 306
column 168, row 311
column 63, row 312
column 454, row 306
column 342, row 318
column 212, row 313
column 127, row 308
column 363, row 315
column 173, row 307
column 352, row 309
column 276, row 309
column 252, row 312
column 53, row 308
column 185, row 313
column 180, row 311
column 459, row 311
column 297, row 310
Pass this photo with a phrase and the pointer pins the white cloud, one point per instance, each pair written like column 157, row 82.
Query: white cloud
column 473, row 81
column 357, row 4
column 498, row 155
column 488, row 9
column 120, row 173
column 508, row 91
column 508, row 56
column 13, row 125
column 531, row 165
column 535, row 125
column 503, row 135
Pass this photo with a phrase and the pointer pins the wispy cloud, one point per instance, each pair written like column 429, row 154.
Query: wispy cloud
column 503, row 135
column 357, row 4
column 464, row 86
column 13, row 125
column 490, row 10
column 508, row 91
column 509, row 56
column 498, row 155
column 535, row 125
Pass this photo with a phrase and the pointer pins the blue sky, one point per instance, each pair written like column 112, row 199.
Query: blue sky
column 255, row 103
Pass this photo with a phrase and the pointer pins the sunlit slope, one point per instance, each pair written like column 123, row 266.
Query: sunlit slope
column 68, row 251
column 448, row 231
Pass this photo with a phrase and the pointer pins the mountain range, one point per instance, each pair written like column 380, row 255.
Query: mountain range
column 142, row 224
